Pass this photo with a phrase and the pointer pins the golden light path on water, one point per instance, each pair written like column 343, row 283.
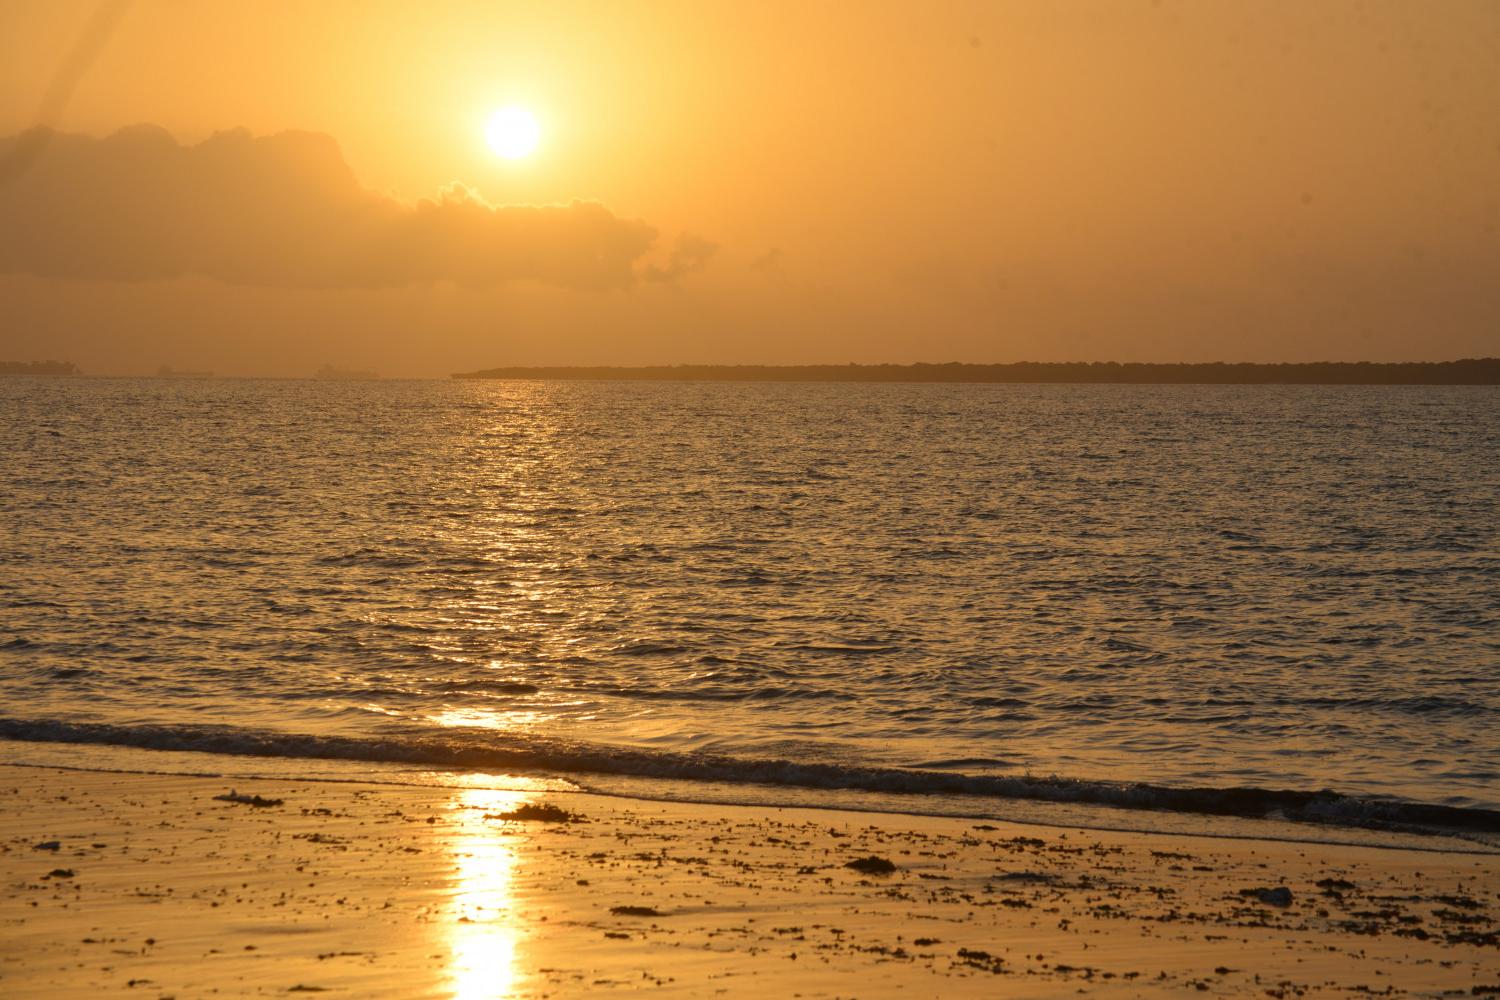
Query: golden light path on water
column 523, row 590
column 485, row 933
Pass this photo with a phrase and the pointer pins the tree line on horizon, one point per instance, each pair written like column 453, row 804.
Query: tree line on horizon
column 1466, row 371
column 38, row 368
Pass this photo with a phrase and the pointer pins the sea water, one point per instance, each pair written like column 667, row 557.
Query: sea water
column 1200, row 599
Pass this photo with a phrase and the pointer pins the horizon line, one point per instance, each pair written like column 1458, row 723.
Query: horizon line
column 1463, row 371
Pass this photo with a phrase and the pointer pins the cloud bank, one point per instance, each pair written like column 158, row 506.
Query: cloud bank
column 690, row 253
column 286, row 211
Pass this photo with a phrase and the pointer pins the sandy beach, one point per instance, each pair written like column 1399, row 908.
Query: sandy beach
column 166, row 886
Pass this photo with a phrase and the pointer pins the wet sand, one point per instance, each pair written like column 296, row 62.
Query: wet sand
column 158, row 886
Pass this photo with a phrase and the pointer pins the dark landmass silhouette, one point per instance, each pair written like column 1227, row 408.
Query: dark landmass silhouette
column 38, row 368
column 1468, row 371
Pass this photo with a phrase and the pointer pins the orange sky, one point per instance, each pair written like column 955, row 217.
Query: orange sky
column 991, row 181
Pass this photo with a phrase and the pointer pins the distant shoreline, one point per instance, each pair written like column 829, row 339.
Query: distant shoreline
column 38, row 368
column 1468, row 371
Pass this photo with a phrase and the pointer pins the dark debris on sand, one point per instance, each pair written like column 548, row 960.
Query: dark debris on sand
column 248, row 800
column 871, row 865
column 544, row 812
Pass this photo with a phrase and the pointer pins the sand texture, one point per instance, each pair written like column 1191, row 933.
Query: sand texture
column 161, row 886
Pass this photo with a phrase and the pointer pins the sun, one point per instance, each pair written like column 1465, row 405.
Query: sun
column 512, row 132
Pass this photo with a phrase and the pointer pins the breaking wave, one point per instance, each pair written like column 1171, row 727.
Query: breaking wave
column 486, row 750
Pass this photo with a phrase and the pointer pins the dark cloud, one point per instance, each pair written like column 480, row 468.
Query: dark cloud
column 690, row 253
column 286, row 211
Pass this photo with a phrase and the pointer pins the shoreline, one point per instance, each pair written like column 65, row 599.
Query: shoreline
column 1289, row 816
column 368, row 890
column 1247, row 830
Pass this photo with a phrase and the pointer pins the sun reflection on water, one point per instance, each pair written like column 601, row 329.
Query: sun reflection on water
column 483, row 718
column 485, row 933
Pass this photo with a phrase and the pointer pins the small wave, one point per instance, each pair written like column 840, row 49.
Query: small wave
column 1124, row 646
column 370, row 557
column 647, row 649
column 1414, row 705
column 489, row 687
column 488, row 750
column 945, row 765
column 761, row 692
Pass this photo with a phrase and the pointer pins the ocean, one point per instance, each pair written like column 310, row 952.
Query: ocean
column 1193, row 602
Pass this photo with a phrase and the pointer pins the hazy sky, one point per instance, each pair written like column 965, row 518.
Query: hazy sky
column 308, row 183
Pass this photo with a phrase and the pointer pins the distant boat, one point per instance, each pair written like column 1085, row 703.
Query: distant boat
column 167, row 371
column 343, row 374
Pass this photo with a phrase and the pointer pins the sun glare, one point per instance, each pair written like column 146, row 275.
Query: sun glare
column 512, row 132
